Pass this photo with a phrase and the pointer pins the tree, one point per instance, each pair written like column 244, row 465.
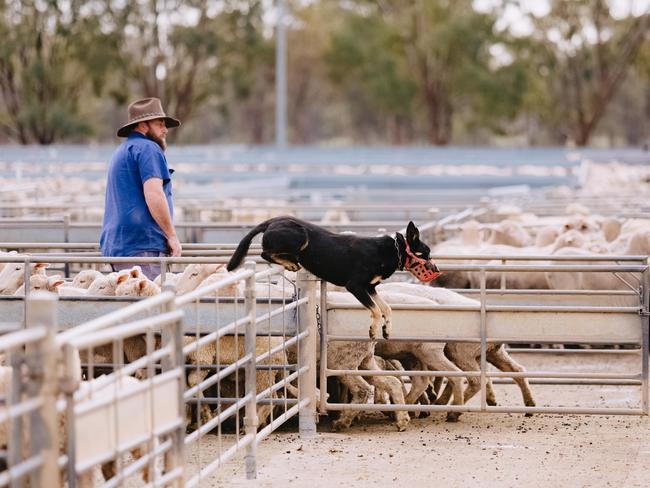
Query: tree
column 41, row 71
column 584, row 55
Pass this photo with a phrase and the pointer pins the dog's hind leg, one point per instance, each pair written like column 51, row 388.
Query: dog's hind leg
column 361, row 293
column 386, row 312
column 289, row 262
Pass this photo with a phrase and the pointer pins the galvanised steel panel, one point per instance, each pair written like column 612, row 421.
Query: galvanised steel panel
column 511, row 326
column 206, row 315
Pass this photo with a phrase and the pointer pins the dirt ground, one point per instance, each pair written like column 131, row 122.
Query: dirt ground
column 495, row 450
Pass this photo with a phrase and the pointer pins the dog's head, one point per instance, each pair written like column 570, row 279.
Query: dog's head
column 416, row 255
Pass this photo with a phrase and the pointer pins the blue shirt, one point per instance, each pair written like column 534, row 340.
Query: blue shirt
column 128, row 227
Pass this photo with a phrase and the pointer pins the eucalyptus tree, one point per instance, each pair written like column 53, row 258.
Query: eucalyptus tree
column 45, row 88
column 580, row 55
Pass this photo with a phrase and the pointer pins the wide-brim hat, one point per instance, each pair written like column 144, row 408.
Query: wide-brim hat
column 143, row 110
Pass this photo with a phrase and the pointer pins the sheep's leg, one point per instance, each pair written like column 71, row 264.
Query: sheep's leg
column 435, row 388
column 419, row 385
column 393, row 387
column 386, row 312
column 361, row 293
column 194, row 378
column 434, row 359
column 289, row 261
column 361, row 392
column 265, row 379
column 504, row 362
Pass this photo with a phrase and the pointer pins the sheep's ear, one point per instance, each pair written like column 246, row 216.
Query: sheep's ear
column 122, row 278
column 41, row 265
column 142, row 283
column 135, row 271
column 412, row 232
column 56, row 282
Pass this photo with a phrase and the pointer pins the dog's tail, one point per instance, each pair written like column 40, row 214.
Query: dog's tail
column 244, row 244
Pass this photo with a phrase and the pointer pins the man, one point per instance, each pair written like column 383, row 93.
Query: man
column 138, row 209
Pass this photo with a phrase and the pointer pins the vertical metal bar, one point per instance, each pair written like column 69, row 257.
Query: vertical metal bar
column 26, row 275
column 323, row 348
column 307, row 354
column 15, row 427
column 503, row 276
column 43, row 365
column 163, row 272
column 645, row 347
column 173, row 336
column 483, row 343
column 69, row 386
column 250, row 419
column 281, row 77
column 66, row 239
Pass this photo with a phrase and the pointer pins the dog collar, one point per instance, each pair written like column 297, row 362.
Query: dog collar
column 400, row 263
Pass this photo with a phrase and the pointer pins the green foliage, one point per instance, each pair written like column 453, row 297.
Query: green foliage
column 398, row 71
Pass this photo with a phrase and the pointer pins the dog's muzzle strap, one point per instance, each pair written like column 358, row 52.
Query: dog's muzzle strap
column 423, row 270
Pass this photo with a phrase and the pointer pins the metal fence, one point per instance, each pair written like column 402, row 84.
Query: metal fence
column 597, row 317
column 257, row 346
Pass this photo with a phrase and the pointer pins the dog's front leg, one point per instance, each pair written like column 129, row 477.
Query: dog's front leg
column 386, row 312
column 362, row 294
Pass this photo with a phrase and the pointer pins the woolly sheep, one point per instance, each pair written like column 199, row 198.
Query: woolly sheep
column 13, row 275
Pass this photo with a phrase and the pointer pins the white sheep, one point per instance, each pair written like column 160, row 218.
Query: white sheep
column 85, row 277
column 141, row 287
column 193, row 275
column 463, row 354
column 13, row 275
column 230, row 349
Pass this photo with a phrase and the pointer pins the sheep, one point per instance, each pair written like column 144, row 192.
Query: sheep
column 84, row 278
column 105, row 286
column 226, row 354
column 170, row 279
column 510, row 233
column 358, row 355
column 463, row 354
column 193, row 275
column 13, row 275
column 141, row 287
column 41, row 282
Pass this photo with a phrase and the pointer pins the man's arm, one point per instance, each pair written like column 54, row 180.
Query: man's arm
column 157, row 204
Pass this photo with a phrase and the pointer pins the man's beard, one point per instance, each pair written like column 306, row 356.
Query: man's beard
column 161, row 141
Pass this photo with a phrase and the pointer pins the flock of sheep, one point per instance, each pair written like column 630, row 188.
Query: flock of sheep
column 577, row 234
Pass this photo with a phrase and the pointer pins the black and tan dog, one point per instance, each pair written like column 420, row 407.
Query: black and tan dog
column 357, row 263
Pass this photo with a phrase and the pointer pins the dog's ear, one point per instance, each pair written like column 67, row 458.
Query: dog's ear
column 412, row 232
column 400, row 240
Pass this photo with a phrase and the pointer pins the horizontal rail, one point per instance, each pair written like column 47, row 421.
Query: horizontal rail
column 206, row 290
column 116, row 316
column 20, row 338
column 382, row 407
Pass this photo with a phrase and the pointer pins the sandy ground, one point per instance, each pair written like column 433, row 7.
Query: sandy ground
column 499, row 450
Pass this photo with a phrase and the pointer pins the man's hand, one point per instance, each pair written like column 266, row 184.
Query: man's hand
column 174, row 246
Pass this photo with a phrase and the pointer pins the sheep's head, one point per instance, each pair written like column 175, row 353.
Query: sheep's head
column 84, row 278
column 12, row 276
column 193, row 275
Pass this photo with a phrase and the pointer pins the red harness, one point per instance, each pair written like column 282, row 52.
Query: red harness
column 418, row 267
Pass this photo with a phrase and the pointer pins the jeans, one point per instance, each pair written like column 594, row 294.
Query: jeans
column 150, row 270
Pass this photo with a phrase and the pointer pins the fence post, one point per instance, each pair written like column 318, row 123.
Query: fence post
column 43, row 365
column 307, row 354
column 645, row 332
column 250, row 418
column 173, row 335
column 66, row 239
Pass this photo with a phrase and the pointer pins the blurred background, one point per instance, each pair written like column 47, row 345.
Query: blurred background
column 358, row 72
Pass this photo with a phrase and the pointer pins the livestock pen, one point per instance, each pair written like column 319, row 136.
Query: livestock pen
column 262, row 329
